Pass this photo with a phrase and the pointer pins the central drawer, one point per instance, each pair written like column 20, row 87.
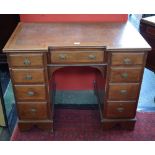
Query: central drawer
column 30, row 92
column 77, row 56
column 123, row 92
column 28, row 75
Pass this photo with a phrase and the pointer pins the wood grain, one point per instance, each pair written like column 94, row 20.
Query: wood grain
column 41, row 36
column 30, row 92
column 125, row 74
column 32, row 111
column 19, row 60
column 123, row 92
column 121, row 110
column 127, row 59
column 77, row 56
column 29, row 76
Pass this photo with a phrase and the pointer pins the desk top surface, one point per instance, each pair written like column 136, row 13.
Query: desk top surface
column 41, row 36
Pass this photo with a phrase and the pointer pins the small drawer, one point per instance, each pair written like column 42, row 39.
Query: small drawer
column 33, row 111
column 26, row 60
column 125, row 74
column 77, row 56
column 28, row 75
column 127, row 58
column 121, row 110
column 30, row 92
column 123, row 92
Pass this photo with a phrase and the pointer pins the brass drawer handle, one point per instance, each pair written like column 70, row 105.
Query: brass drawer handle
column 28, row 77
column 123, row 91
column 124, row 75
column 120, row 109
column 30, row 93
column 91, row 56
column 127, row 61
column 27, row 61
column 62, row 56
column 33, row 110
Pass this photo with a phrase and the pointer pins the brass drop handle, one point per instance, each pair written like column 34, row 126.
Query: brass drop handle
column 120, row 109
column 62, row 56
column 27, row 61
column 91, row 56
column 30, row 93
column 124, row 75
column 127, row 61
column 28, row 77
column 33, row 110
column 123, row 91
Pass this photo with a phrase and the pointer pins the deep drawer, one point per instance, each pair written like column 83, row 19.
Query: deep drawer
column 123, row 92
column 30, row 92
column 121, row 110
column 33, row 111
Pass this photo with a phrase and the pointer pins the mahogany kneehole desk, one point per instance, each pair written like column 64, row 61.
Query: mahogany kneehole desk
column 36, row 50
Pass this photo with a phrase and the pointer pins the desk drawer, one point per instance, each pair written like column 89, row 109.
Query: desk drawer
column 127, row 58
column 123, row 92
column 125, row 74
column 26, row 60
column 36, row 111
column 77, row 56
column 28, row 75
column 121, row 110
column 30, row 92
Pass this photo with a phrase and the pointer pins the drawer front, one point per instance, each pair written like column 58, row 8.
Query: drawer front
column 32, row 110
column 30, row 92
column 125, row 74
column 28, row 75
column 127, row 58
column 121, row 110
column 26, row 60
column 77, row 57
column 123, row 92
